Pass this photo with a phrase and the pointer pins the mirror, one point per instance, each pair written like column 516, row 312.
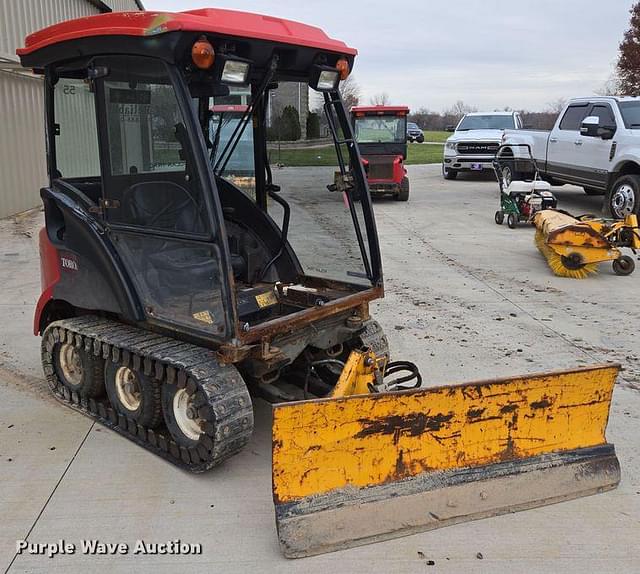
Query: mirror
column 451, row 128
column 589, row 126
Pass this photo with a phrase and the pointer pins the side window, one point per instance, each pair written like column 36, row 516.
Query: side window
column 77, row 153
column 151, row 177
column 573, row 117
column 604, row 112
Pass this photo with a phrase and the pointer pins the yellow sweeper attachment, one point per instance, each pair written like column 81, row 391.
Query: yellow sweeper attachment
column 574, row 246
column 358, row 468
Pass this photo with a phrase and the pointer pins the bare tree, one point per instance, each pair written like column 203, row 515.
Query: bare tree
column 459, row 109
column 381, row 99
column 556, row 106
column 611, row 87
column 350, row 92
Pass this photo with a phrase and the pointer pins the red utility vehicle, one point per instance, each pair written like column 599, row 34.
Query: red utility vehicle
column 381, row 132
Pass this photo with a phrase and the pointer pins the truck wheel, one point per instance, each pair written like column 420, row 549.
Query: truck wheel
column 624, row 197
column 593, row 191
column 403, row 194
column 507, row 175
column 499, row 217
column 449, row 173
column 133, row 394
column 624, row 265
column 420, row 139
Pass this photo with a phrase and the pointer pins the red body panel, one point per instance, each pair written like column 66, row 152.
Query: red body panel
column 399, row 171
column 214, row 20
column 381, row 110
column 49, row 276
column 221, row 108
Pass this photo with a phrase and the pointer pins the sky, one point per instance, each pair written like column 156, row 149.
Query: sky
column 491, row 54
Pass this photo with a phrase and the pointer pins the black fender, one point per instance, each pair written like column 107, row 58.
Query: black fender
column 92, row 276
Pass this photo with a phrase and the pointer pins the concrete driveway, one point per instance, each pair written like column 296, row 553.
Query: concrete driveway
column 466, row 299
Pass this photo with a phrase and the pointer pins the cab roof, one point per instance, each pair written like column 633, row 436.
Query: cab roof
column 205, row 20
column 380, row 110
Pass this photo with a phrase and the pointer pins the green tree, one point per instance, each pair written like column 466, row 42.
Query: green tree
column 313, row 126
column 291, row 124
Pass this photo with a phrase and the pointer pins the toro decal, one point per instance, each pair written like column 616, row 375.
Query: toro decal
column 68, row 262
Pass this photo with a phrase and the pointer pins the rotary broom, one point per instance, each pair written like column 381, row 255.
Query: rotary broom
column 574, row 246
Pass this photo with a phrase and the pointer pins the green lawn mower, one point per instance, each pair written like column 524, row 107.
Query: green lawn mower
column 522, row 192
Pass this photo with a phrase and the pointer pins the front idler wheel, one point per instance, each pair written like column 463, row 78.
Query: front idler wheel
column 133, row 394
column 78, row 370
column 624, row 265
column 185, row 415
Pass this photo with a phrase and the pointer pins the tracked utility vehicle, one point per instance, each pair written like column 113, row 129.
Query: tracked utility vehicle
column 169, row 293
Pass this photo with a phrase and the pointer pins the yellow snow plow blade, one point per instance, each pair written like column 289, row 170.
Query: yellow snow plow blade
column 359, row 469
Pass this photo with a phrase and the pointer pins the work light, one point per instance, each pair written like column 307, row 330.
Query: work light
column 324, row 78
column 235, row 72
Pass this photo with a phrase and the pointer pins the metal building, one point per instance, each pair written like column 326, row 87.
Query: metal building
column 22, row 148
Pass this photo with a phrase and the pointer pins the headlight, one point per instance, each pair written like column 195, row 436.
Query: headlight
column 451, row 145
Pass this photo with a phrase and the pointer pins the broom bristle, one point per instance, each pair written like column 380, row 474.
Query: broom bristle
column 556, row 264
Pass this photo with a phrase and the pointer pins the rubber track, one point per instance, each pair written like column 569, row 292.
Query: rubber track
column 222, row 397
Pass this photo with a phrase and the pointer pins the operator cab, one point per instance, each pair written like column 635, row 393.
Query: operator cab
column 146, row 140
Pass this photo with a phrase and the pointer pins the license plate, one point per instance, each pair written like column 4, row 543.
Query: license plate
column 476, row 167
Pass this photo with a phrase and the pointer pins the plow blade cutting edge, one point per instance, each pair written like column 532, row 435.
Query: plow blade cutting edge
column 365, row 468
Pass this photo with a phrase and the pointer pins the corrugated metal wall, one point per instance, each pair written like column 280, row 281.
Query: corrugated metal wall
column 123, row 5
column 22, row 151
column 21, row 17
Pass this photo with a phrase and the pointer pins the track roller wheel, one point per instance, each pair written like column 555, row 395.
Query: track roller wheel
column 499, row 217
column 625, row 265
column 199, row 418
column 78, row 370
column 133, row 394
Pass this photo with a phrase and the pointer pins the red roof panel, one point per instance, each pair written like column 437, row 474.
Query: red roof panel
column 213, row 20
column 380, row 109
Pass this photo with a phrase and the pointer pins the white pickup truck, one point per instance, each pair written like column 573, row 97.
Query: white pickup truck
column 594, row 144
column 475, row 141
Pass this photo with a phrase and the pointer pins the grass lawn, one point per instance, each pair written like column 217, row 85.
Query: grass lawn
column 436, row 136
column 417, row 154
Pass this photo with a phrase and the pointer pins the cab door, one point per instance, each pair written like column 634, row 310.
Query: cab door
column 594, row 156
column 157, row 212
column 564, row 147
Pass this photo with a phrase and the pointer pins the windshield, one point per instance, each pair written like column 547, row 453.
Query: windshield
column 326, row 227
column 412, row 126
column 383, row 129
column 239, row 168
column 630, row 114
column 486, row 122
